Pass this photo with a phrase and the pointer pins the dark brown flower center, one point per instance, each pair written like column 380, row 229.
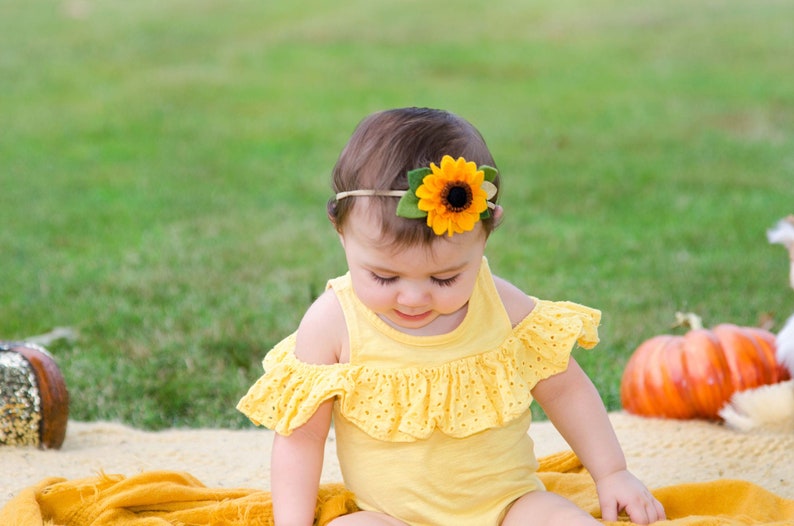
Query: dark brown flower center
column 456, row 196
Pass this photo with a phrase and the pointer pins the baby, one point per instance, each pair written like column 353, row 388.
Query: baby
column 426, row 361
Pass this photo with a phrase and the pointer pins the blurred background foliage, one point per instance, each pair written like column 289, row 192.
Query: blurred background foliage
column 164, row 170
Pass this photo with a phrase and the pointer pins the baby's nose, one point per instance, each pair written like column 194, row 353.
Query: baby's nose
column 412, row 295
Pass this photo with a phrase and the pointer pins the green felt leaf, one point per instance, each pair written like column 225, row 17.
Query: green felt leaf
column 408, row 206
column 489, row 172
column 415, row 177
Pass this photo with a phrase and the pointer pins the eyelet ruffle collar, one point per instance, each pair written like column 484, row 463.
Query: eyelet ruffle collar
column 459, row 398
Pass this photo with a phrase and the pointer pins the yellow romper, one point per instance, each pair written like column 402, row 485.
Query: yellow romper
column 431, row 430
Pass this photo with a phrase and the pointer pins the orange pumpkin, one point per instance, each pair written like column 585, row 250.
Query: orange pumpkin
column 695, row 374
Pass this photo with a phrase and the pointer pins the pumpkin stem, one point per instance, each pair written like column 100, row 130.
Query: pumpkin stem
column 688, row 320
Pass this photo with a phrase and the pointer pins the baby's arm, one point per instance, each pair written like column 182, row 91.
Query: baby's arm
column 295, row 467
column 575, row 408
column 297, row 459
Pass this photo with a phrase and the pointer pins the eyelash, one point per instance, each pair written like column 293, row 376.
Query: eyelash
column 381, row 280
column 445, row 282
column 448, row 282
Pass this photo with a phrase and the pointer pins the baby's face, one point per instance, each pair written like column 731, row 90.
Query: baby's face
column 418, row 290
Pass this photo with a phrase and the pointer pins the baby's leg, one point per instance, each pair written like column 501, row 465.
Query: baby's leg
column 542, row 508
column 366, row 518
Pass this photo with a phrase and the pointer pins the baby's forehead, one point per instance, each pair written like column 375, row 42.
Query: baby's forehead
column 367, row 222
column 373, row 210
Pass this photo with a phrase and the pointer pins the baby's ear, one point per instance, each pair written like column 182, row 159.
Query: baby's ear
column 498, row 212
column 330, row 210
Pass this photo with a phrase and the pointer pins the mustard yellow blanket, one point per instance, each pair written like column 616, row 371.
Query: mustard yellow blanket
column 160, row 498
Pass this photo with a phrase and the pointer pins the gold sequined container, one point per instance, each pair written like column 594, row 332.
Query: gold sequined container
column 34, row 401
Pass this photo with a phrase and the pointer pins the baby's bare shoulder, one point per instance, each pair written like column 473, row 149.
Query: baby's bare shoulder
column 516, row 302
column 322, row 331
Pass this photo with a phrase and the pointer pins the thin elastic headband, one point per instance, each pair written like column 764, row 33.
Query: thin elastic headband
column 383, row 193
column 368, row 193
column 452, row 197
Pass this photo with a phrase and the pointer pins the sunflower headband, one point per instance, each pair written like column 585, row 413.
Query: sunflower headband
column 453, row 197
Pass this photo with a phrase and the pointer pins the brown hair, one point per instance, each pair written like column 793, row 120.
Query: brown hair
column 388, row 144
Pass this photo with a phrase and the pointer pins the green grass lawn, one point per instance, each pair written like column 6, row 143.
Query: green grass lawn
column 164, row 170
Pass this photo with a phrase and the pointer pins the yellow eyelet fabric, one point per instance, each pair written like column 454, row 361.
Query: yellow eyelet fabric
column 459, row 397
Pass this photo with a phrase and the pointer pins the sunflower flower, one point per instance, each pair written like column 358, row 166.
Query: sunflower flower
column 452, row 195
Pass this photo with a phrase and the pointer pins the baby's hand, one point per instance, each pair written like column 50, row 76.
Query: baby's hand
column 623, row 491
